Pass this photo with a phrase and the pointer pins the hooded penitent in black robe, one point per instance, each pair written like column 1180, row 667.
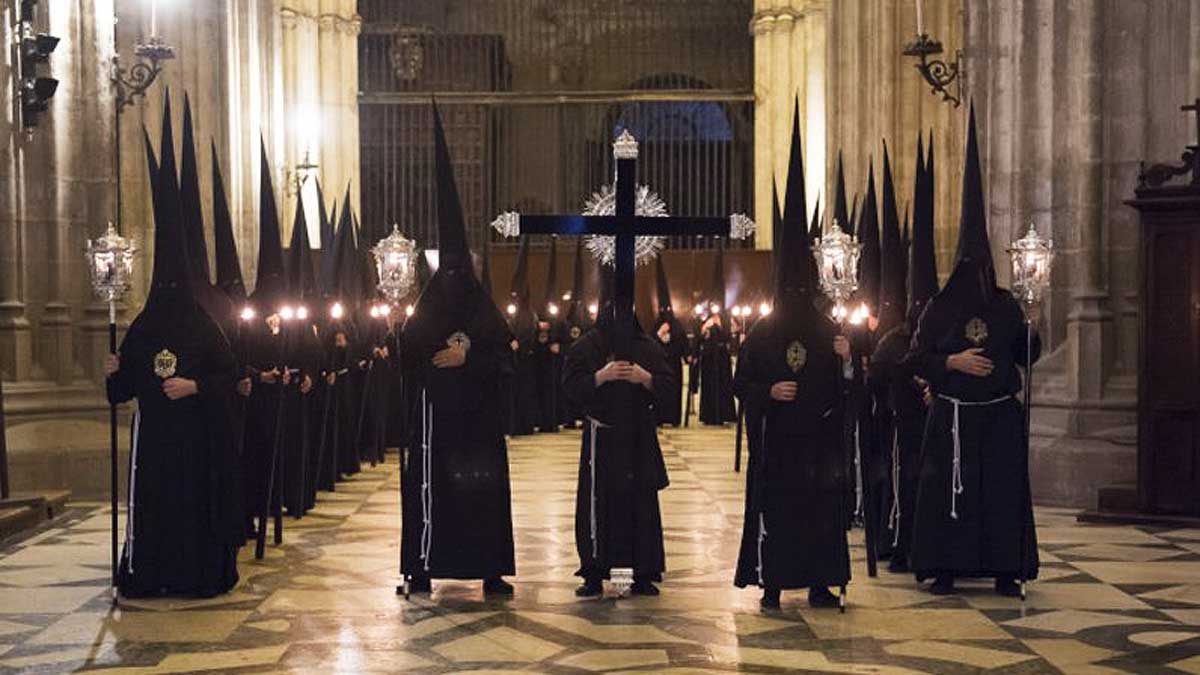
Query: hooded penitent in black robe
column 522, row 323
column 794, row 535
column 986, row 527
column 675, row 350
column 794, row 532
column 621, row 469
column 974, row 516
column 904, row 393
column 183, row 530
column 547, row 368
column 455, row 495
column 716, row 376
column 373, row 409
column 670, row 334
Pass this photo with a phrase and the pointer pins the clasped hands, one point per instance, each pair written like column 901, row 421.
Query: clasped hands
column 624, row 371
column 173, row 388
column 450, row 357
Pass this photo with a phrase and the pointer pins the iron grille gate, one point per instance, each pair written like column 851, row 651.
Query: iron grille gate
column 530, row 114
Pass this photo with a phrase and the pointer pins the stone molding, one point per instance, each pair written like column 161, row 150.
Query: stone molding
column 348, row 25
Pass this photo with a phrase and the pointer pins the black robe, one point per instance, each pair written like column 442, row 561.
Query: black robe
column 675, row 349
column 396, row 427
column 547, row 370
column 617, row 518
column 297, row 435
column 986, row 529
column 573, row 329
column 183, row 529
column 373, row 408
column 267, row 422
column 716, row 378
column 794, row 532
column 899, row 417
column 456, row 500
column 523, row 391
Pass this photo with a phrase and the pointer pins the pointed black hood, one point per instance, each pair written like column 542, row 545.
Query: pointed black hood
column 327, row 277
column 229, row 266
column 814, row 229
column 454, row 299
column 453, row 251
column 795, row 267
column 302, row 282
column 839, row 204
column 893, row 302
column 973, row 281
column 519, row 289
column 662, row 288
column 923, row 277
column 868, row 236
column 795, row 214
column 576, row 311
column 551, row 295
column 716, row 287
column 189, row 192
column 349, row 273
column 170, row 281
column 271, row 286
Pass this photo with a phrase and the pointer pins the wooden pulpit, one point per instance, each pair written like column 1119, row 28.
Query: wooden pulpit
column 1168, row 199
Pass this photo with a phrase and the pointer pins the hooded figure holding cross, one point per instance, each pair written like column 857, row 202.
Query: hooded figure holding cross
column 621, row 467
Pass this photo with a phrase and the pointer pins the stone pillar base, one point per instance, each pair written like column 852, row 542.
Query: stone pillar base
column 16, row 342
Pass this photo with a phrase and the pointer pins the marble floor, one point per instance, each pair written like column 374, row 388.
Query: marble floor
column 1111, row 599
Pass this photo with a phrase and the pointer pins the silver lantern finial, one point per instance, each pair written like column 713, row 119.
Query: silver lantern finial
column 837, row 256
column 110, row 266
column 395, row 260
column 1032, row 258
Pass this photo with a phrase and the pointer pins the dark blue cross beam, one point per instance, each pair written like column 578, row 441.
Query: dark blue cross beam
column 626, row 226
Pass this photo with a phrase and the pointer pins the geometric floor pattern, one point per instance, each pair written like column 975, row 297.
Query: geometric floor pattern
column 1111, row 599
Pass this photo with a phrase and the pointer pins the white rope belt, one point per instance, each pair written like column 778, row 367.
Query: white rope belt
column 894, row 516
column 596, row 425
column 426, row 479
column 133, row 455
column 956, row 484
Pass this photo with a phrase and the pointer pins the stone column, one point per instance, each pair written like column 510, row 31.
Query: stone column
column 790, row 48
column 16, row 345
column 1089, row 322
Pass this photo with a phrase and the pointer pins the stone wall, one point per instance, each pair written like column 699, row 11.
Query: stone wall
column 252, row 68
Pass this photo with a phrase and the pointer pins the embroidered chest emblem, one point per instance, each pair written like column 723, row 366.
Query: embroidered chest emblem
column 459, row 339
column 576, row 331
column 977, row 331
column 164, row 364
column 797, row 356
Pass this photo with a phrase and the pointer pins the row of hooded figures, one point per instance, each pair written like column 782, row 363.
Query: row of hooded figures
column 248, row 406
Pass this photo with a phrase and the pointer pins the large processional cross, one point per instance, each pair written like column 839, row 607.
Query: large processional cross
column 625, row 226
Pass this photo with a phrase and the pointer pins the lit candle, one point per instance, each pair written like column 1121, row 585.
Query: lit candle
column 153, row 18
column 920, row 18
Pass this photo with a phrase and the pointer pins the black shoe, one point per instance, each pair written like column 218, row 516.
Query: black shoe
column 770, row 598
column 898, row 565
column 942, row 586
column 497, row 586
column 590, row 588
column 643, row 587
column 819, row 596
column 1008, row 587
column 420, row 585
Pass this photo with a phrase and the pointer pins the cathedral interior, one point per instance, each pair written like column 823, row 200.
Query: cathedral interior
column 1083, row 110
